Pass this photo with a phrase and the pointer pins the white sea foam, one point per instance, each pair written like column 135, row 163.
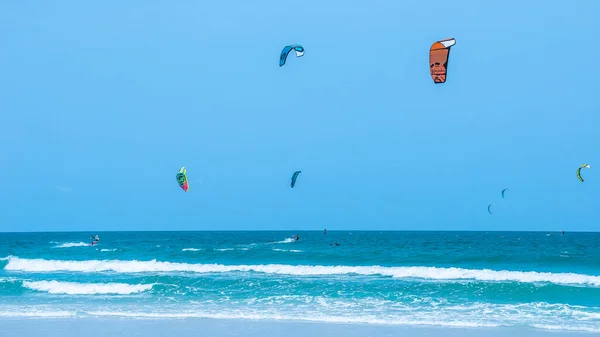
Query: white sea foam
column 320, row 309
column 288, row 240
column 8, row 279
column 288, row 250
column 429, row 273
column 567, row 327
column 73, row 288
column 539, row 315
column 37, row 313
column 108, row 250
column 235, row 314
column 191, row 249
column 242, row 314
column 229, row 249
column 72, row 244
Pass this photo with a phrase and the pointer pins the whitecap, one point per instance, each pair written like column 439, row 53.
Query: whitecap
column 74, row 288
column 72, row 244
column 416, row 272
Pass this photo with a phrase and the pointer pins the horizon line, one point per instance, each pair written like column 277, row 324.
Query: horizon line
column 304, row 230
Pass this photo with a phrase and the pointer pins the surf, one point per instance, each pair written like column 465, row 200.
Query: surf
column 399, row 272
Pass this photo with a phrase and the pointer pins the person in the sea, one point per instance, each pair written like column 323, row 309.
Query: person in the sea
column 297, row 237
column 325, row 231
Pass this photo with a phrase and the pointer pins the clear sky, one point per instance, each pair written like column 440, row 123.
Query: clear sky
column 101, row 102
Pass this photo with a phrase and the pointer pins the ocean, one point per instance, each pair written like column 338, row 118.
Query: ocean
column 448, row 279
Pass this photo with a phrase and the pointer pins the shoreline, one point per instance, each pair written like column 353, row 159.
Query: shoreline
column 207, row 327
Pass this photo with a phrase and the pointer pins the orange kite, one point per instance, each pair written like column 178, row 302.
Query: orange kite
column 438, row 59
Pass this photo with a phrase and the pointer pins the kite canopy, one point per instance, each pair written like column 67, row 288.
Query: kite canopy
column 490, row 208
column 438, row 59
column 579, row 171
column 287, row 49
column 504, row 190
column 182, row 179
column 294, row 177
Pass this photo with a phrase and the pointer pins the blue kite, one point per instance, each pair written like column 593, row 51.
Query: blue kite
column 287, row 49
column 294, row 177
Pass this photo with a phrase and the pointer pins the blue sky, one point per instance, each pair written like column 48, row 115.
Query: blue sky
column 102, row 102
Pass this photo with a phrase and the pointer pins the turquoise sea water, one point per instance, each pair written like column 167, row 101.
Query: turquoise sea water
column 541, row 280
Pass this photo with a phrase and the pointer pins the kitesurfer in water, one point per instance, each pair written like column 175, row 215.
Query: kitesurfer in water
column 325, row 231
column 297, row 237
